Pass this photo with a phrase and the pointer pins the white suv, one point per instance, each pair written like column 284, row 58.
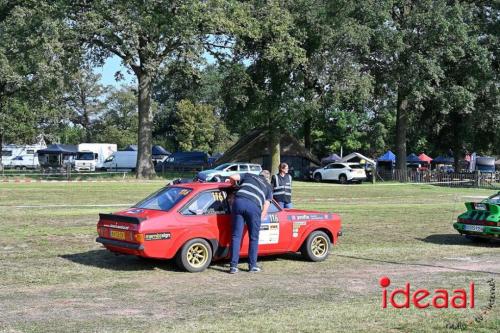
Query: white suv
column 341, row 172
column 227, row 169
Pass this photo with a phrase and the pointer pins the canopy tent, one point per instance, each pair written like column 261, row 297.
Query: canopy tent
column 425, row 158
column 387, row 157
column 59, row 149
column 57, row 156
column 413, row 159
column 330, row 159
column 358, row 158
column 443, row 160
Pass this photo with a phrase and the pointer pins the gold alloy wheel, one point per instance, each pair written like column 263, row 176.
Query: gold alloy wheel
column 197, row 255
column 319, row 246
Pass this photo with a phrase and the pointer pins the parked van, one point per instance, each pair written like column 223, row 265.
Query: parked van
column 184, row 160
column 91, row 156
column 121, row 160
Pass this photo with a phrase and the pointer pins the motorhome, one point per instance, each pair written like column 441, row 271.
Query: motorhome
column 121, row 161
column 21, row 156
column 91, row 156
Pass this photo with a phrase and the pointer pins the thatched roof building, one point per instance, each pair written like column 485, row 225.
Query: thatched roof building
column 253, row 148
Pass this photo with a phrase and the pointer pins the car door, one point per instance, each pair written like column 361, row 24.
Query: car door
column 213, row 205
column 328, row 172
column 231, row 170
column 243, row 168
column 274, row 235
column 336, row 170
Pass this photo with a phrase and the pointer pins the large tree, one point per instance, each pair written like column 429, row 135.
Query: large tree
column 32, row 55
column 146, row 35
column 85, row 100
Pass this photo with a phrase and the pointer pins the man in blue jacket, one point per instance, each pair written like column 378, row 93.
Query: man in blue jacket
column 250, row 206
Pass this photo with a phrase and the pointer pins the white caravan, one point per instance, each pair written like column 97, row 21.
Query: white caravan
column 22, row 156
column 121, row 160
column 91, row 156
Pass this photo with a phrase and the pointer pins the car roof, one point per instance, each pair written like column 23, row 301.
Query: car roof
column 203, row 186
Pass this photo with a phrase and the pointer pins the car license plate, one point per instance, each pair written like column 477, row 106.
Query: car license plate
column 477, row 228
column 118, row 234
column 479, row 206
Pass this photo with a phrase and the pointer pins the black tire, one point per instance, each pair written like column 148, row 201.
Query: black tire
column 23, row 168
column 317, row 177
column 477, row 239
column 316, row 247
column 343, row 179
column 185, row 259
column 216, row 179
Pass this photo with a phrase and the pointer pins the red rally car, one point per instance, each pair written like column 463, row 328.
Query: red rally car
column 192, row 222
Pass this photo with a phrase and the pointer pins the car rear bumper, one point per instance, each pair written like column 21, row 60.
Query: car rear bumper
column 120, row 246
column 488, row 231
column 358, row 178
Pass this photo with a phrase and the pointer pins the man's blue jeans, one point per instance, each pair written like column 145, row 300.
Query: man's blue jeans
column 245, row 211
column 285, row 204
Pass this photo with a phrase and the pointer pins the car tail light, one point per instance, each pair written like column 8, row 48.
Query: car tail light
column 139, row 238
column 493, row 224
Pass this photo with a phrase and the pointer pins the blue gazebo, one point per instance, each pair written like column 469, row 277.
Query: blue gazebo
column 386, row 161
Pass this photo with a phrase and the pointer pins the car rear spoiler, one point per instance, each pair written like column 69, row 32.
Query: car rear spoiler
column 121, row 218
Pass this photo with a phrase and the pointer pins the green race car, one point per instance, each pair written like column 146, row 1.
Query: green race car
column 481, row 221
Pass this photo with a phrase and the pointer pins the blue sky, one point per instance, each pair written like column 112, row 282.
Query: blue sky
column 111, row 66
column 114, row 64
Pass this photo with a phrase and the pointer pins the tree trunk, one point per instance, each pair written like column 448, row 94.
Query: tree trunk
column 144, row 166
column 401, row 129
column 86, row 119
column 274, row 150
column 307, row 133
column 1, row 149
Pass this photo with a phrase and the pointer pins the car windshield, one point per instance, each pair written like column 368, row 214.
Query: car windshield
column 494, row 199
column 85, row 156
column 222, row 166
column 164, row 199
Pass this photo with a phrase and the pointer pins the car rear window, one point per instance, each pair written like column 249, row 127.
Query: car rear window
column 164, row 199
column 356, row 166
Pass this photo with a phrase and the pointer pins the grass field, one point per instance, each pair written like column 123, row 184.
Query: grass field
column 55, row 278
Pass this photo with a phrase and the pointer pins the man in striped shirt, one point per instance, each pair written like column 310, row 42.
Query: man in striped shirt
column 250, row 206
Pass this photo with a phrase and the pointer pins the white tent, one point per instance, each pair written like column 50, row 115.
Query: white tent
column 358, row 158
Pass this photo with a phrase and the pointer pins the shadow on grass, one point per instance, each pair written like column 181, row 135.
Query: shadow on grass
column 223, row 265
column 457, row 239
column 418, row 264
column 108, row 260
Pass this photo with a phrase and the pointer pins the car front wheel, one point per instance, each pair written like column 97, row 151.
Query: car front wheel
column 317, row 177
column 194, row 256
column 316, row 247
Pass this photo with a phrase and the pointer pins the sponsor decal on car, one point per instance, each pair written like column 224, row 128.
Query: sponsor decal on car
column 116, row 226
column 134, row 211
column 269, row 230
column 158, row 236
column 296, row 227
column 303, row 217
